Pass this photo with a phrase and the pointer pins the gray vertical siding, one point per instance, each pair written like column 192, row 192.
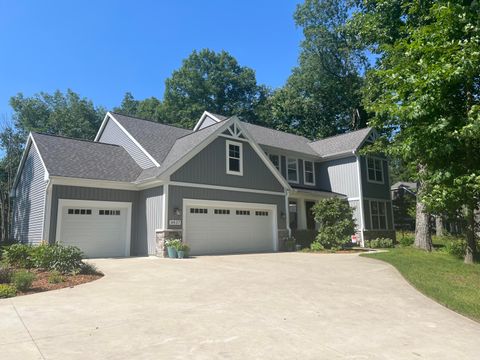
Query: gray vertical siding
column 373, row 190
column 112, row 134
column 29, row 202
column 209, row 167
column 150, row 218
column 340, row 176
column 88, row 193
column 176, row 194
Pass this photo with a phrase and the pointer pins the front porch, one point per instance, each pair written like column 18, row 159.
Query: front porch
column 301, row 219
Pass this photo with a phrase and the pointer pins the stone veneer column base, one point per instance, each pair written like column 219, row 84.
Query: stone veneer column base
column 161, row 236
column 282, row 237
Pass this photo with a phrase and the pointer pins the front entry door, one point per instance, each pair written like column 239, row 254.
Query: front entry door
column 310, row 217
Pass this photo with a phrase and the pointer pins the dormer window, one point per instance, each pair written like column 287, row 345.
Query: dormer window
column 234, row 155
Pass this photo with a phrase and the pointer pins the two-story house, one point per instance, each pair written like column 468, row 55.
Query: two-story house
column 225, row 186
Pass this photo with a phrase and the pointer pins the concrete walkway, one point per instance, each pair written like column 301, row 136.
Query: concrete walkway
column 263, row 306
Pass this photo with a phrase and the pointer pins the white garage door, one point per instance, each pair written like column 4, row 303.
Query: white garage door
column 99, row 229
column 225, row 228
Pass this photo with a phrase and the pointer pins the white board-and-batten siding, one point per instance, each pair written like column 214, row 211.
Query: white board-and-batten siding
column 29, row 205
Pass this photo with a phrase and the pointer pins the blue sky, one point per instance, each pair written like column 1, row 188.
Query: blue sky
column 102, row 49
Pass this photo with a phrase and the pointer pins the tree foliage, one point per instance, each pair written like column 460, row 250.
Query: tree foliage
column 59, row 114
column 425, row 91
column 214, row 82
column 335, row 219
column 322, row 95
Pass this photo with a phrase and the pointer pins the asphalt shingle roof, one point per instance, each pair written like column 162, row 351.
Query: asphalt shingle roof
column 340, row 143
column 85, row 159
column 156, row 138
column 279, row 139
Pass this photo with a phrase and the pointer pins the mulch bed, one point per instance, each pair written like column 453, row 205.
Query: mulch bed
column 41, row 284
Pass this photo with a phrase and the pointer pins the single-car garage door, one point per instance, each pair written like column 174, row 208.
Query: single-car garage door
column 99, row 229
column 222, row 227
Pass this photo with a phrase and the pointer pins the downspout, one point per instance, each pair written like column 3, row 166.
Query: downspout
column 360, row 196
column 287, row 213
column 46, row 215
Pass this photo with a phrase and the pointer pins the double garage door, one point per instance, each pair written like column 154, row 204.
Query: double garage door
column 223, row 228
column 99, row 229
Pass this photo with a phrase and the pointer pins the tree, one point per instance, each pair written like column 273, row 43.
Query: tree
column 335, row 218
column 322, row 95
column 58, row 114
column 150, row 108
column 425, row 91
column 214, row 82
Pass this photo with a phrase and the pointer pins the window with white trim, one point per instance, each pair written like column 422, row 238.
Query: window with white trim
column 378, row 214
column 108, row 212
column 221, row 212
column 308, row 172
column 234, row 158
column 275, row 159
column 198, row 211
column 292, row 170
column 261, row 213
column 375, row 169
column 79, row 211
column 242, row 212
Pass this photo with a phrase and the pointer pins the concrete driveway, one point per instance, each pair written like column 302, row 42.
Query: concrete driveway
column 263, row 306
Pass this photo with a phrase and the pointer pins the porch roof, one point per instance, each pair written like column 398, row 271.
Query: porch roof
column 314, row 192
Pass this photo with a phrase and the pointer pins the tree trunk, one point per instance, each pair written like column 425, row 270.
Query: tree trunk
column 439, row 225
column 423, row 238
column 471, row 250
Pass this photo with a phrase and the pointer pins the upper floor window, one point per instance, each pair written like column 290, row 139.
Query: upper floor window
column 292, row 170
column 308, row 172
column 275, row 159
column 234, row 158
column 375, row 169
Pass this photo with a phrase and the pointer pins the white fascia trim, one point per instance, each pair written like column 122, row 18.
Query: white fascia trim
column 46, row 211
column 102, row 127
column 360, row 195
column 26, row 150
column 134, row 140
column 227, row 188
column 94, row 203
column 227, row 157
column 202, row 119
column 304, row 172
column 58, row 180
column 242, row 205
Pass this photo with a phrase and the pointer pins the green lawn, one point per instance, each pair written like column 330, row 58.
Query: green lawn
column 440, row 276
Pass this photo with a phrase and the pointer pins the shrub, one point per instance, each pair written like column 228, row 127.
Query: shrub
column 7, row 291
column 6, row 274
column 23, row 280
column 316, row 246
column 456, row 247
column 89, row 269
column 55, row 278
column 335, row 217
column 407, row 240
column 379, row 243
column 64, row 259
column 18, row 255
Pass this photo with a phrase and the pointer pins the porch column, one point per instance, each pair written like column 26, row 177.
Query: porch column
column 301, row 214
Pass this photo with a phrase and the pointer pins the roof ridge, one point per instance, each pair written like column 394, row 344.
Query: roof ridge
column 345, row 133
column 72, row 138
column 269, row 128
column 206, row 127
column 149, row 120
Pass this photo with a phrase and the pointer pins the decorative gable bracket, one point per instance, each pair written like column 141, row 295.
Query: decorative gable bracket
column 234, row 132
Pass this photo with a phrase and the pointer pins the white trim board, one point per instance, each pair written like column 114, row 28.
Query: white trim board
column 227, row 188
column 94, row 203
column 240, row 158
column 230, row 204
column 202, row 119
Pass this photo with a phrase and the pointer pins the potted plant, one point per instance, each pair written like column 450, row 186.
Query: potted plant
column 172, row 247
column 289, row 243
column 182, row 250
